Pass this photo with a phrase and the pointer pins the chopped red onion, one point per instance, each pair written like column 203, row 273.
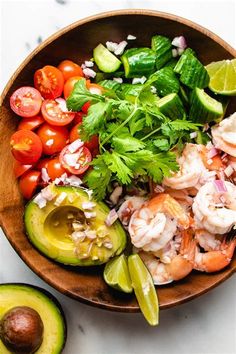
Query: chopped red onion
column 212, row 152
column 139, row 80
column 179, row 42
column 62, row 104
column 48, row 193
column 73, row 181
column 220, row 186
column 193, row 135
column 118, row 79
column 89, row 73
column 71, row 159
column 115, row 195
column 75, row 145
column 224, row 156
column 130, row 37
column 44, row 175
column 158, row 189
column 228, row 171
column 62, row 196
column 111, row 46
column 90, row 214
column 121, row 47
column 40, row 201
column 89, row 63
column 88, row 205
column 180, row 51
column 174, row 53
column 111, row 217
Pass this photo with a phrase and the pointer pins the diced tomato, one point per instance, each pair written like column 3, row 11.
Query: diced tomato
column 86, row 107
column 19, row 169
column 55, row 169
column 49, row 81
column 70, row 69
column 55, row 112
column 53, row 138
column 76, row 162
column 69, row 85
column 42, row 163
column 91, row 144
column 78, row 117
column 26, row 146
column 31, row 123
column 29, row 182
column 26, row 101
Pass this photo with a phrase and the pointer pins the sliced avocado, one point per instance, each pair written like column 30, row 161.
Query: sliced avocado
column 54, row 334
column 64, row 232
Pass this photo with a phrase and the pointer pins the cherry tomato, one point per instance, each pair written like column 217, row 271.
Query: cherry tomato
column 19, row 169
column 74, row 135
column 86, row 107
column 30, row 123
column 55, row 112
column 28, row 183
column 42, row 163
column 78, row 117
column 76, row 162
column 26, row 146
column 49, row 81
column 69, row 69
column 69, row 85
column 94, row 88
column 26, row 101
column 53, row 138
column 55, row 169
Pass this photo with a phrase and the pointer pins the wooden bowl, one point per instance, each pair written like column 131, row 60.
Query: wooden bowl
column 86, row 284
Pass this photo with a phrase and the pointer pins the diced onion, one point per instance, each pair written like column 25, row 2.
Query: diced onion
column 179, row 42
column 139, row 80
column 115, row 195
column 130, row 37
column 118, row 79
column 88, row 205
column 75, row 145
column 121, row 47
column 44, row 175
column 229, row 171
column 212, row 152
column 111, row 46
column 220, row 186
column 193, row 135
column 111, row 217
column 89, row 72
column 62, row 196
column 89, row 63
column 40, row 201
column 62, row 104
column 174, row 53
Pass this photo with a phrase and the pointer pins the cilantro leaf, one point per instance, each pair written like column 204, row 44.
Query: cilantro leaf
column 98, row 178
column 114, row 162
column 162, row 166
column 80, row 95
column 179, row 124
column 125, row 143
column 162, row 144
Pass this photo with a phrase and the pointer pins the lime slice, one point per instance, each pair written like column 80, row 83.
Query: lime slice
column 223, row 77
column 144, row 289
column 116, row 274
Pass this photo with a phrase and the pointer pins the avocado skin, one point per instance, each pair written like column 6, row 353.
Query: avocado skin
column 60, row 256
column 48, row 300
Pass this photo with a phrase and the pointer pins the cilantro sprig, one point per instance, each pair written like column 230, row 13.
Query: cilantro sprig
column 135, row 139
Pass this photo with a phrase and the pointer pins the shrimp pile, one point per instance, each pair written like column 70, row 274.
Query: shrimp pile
column 189, row 222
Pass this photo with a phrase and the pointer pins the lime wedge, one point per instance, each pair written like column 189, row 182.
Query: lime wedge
column 223, row 77
column 144, row 289
column 116, row 274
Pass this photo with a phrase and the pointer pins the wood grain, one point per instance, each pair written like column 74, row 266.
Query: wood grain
column 87, row 285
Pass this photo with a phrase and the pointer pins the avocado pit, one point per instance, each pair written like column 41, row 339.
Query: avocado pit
column 21, row 330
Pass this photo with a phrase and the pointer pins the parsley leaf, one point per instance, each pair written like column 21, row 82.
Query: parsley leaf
column 80, row 95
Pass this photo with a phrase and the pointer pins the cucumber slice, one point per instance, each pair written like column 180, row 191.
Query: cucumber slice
column 171, row 63
column 183, row 94
column 192, row 72
column 165, row 82
column 129, row 92
column 110, row 84
column 172, row 106
column 204, row 108
column 163, row 48
column 138, row 62
column 105, row 60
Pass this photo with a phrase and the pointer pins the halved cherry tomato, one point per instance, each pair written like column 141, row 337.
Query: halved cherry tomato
column 53, row 138
column 30, row 123
column 28, row 183
column 55, row 169
column 69, row 69
column 19, row 169
column 86, row 107
column 91, row 144
column 77, row 162
column 78, row 118
column 26, row 146
column 42, row 163
column 49, row 81
column 55, row 112
column 94, row 88
column 69, row 85
column 26, row 101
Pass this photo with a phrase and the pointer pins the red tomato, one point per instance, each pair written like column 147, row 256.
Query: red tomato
column 26, row 101
column 74, row 135
column 78, row 117
column 76, row 162
column 69, row 69
column 86, row 107
column 94, row 88
column 28, row 183
column 26, row 146
column 53, row 138
column 42, row 163
column 55, row 169
column 19, row 169
column 55, row 112
column 30, row 123
column 49, row 81
column 69, row 85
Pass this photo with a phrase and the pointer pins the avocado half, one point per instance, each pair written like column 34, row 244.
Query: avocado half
column 50, row 228
column 54, row 336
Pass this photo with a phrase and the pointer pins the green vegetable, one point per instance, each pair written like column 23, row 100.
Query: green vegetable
column 165, row 81
column 138, row 62
column 105, row 60
column 130, row 92
column 172, row 106
column 163, row 48
column 110, row 84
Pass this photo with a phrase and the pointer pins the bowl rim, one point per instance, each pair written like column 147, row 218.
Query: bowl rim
column 45, row 43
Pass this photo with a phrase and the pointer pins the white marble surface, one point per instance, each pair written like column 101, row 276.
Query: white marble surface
column 206, row 325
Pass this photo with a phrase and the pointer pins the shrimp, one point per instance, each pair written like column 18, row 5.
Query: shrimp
column 128, row 208
column 224, row 135
column 153, row 225
column 214, row 211
column 217, row 255
column 192, row 172
column 179, row 264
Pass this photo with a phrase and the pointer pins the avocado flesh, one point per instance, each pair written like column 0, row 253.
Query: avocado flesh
column 12, row 295
column 50, row 229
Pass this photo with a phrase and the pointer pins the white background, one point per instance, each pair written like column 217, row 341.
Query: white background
column 206, row 325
